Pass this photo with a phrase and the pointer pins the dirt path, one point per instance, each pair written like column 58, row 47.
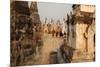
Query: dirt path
column 49, row 44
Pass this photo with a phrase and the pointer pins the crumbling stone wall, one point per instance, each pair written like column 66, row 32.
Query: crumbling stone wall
column 23, row 37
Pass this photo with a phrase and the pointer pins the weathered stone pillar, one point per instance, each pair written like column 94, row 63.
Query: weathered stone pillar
column 91, row 40
column 22, row 45
column 85, row 32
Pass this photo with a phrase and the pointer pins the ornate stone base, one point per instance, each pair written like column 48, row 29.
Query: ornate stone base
column 82, row 56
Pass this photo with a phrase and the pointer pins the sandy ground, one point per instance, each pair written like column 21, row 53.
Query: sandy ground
column 49, row 44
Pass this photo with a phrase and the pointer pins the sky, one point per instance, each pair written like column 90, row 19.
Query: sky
column 55, row 11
